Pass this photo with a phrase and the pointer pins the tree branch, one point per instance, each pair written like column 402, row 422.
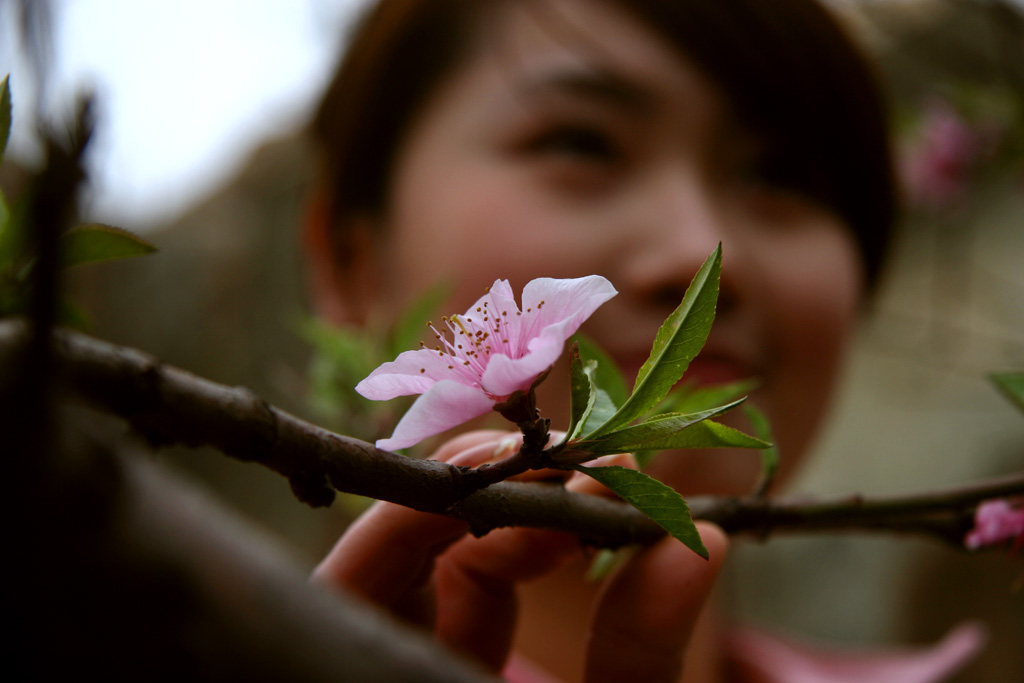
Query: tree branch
column 169, row 405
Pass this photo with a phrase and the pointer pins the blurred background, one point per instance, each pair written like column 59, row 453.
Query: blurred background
column 200, row 148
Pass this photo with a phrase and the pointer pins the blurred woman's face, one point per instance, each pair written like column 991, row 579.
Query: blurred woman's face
column 575, row 142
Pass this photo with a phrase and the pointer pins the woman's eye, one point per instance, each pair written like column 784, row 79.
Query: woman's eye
column 585, row 144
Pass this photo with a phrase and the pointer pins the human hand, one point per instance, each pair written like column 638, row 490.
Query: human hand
column 427, row 570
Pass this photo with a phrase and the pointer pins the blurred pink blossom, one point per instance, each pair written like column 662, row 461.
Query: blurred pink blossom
column 490, row 352
column 996, row 521
column 936, row 165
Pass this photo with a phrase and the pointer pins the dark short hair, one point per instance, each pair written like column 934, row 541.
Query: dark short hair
column 789, row 70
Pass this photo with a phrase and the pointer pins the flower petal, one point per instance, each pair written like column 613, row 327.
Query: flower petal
column 995, row 521
column 545, row 329
column 413, row 372
column 445, row 405
column 500, row 295
column 571, row 301
column 505, row 375
column 495, row 350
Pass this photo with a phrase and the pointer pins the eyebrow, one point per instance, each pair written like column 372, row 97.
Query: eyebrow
column 593, row 84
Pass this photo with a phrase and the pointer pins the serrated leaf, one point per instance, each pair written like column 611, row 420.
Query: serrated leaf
column 769, row 456
column 707, row 434
column 679, row 340
column 96, row 242
column 654, row 430
column 1011, row 384
column 656, row 500
column 608, row 376
column 5, row 114
column 704, row 434
column 581, row 394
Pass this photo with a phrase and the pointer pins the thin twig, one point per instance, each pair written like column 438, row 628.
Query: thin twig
column 169, row 405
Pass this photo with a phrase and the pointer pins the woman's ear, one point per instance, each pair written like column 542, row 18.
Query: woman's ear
column 342, row 276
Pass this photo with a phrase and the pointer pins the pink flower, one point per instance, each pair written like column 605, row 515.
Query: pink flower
column 937, row 165
column 995, row 521
column 494, row 350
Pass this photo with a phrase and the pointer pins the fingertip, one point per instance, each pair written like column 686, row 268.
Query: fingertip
column 386, row 550
column 467, row 441
column 715, row 540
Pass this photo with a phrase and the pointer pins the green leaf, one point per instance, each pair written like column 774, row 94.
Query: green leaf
column 679, row 340
column 654, row 430
column 341, row 357
column 5, row 114
column 608, row 376
column 12, row 236
column 704, row 434
column 707, row 434
column 581, row 394
column 93, row 243
column 408, row 330
column 606, row 561
column 769, row 456
column 1012, row 386
column 656, row 500
column 350, row 352
column 12, row 300
column 602, row 411
column 5, row 214
column 644, row 458
column 689, row 399
column 72, row 316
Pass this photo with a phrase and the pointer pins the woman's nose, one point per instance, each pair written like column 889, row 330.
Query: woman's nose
column 677, row 229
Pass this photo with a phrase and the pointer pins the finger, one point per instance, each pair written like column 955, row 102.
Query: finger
column 388, row 552
column 462, row 442
column 476, row 587
column 488, row 446
column 391, row 549
column 647, row 610
column 499, row 446
column 504, row 444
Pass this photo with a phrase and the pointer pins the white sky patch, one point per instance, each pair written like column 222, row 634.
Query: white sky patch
column 185, row 89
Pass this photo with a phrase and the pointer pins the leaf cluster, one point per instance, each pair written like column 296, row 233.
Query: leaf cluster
column 79, row 245
column 606, row 418
column 343, row 356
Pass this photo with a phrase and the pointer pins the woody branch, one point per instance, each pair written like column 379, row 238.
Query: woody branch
column 171, row 406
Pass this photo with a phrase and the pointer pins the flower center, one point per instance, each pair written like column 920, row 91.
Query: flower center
column 471, row 339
